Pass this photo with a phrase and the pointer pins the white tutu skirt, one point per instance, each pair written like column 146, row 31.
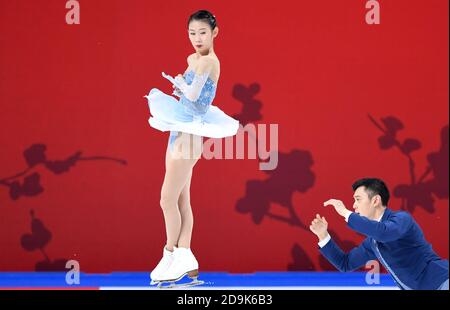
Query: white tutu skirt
column 169, row 114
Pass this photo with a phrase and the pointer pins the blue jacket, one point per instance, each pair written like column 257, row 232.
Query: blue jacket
column 399, row 244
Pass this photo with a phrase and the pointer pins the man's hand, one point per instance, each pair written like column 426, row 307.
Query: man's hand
column 319, row 227
column 339, row 207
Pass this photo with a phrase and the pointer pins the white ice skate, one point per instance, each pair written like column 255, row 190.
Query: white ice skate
column 184, row 263
column 162, row 266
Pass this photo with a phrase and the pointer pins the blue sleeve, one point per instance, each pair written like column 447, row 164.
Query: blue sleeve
column 392, row 229
column 355, row 259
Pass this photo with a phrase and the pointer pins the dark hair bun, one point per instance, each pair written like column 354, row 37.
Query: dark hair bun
column 206, row 16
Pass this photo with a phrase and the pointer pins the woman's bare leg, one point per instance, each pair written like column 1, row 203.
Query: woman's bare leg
column 187, row 218
column 178, row 175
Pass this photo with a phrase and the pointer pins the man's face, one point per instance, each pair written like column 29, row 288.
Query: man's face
column 364, row 205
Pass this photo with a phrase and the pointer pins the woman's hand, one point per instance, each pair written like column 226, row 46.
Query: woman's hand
column 179, row 78
column 176, row 91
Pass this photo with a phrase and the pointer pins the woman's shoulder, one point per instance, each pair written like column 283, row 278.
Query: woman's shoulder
column 208, row 61
column 203, row 59
column 202, row 63
column 190, row 57
column 192, row 61
column 211, row 57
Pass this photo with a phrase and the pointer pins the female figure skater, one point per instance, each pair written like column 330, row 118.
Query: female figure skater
column 188, row 119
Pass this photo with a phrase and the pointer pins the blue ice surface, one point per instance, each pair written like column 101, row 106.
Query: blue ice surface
column 211, row 279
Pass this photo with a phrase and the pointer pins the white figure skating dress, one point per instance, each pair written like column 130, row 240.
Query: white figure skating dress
column 193, row 113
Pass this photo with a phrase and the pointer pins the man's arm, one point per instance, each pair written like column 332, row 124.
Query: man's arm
column 355, row 259
column 390, row 230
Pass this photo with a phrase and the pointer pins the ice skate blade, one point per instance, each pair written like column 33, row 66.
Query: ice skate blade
column 193, row 275
column 152, row 282
column 174, row 285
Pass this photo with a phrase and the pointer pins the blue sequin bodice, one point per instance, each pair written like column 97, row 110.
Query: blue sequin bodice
column 207, row 94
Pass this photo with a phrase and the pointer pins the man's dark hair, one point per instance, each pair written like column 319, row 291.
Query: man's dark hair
column 374, row 187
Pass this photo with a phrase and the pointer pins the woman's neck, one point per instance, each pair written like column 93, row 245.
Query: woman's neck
column 210, row 52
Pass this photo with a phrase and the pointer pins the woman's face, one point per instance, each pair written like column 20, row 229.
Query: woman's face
column 201, row 36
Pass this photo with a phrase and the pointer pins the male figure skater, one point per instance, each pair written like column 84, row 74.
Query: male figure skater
column 394, row 238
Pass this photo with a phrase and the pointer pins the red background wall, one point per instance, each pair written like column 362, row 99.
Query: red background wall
column 321, row 70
